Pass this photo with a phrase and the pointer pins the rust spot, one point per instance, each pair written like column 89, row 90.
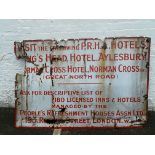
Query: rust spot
column 41, row 80
column 40, row 71
column 145, row 97
column 148, row 40
column 62, row 109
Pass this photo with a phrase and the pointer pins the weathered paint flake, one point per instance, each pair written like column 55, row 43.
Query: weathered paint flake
column 83, row 82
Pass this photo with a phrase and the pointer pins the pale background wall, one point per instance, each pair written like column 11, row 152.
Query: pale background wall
column 18, row 30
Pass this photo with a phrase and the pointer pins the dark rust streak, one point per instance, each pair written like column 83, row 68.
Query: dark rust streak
column 85, row 66
column 16, row 85
column 137, row 120
column 56, row 59
column 16, row 93
column 57, row 121
column 94, row 115
column 104, row 46
column 27, row 90
column 147, row 65
column 51, row 73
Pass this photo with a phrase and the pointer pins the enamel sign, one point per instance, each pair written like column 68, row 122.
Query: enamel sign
column 83, row 82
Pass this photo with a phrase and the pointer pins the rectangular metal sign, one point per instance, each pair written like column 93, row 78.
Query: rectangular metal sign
column 83, row 82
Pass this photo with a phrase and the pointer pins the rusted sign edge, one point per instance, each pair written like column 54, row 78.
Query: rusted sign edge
column 148, row 77
column 76, row 39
